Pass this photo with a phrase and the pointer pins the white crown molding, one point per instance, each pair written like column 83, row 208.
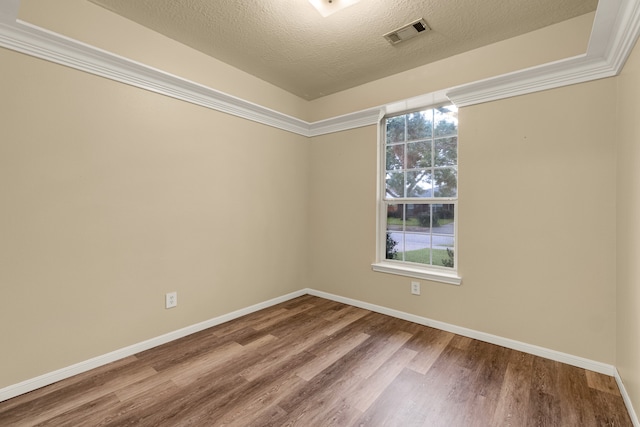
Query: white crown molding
column 44, row 44
column 348, row 121
column 615, row 30
column 614, row 34
column 625, row 32
column 50, row 46
column 417, row 102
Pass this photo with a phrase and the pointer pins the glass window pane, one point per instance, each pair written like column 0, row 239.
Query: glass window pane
column 421, row 158
column 394, row 245
column 446, row 151
column 443, row 251
column 418, row 218
column 417, row 248
column 419, row 154
column 446, row 182
column 419, row 125
column 395, row 184
column 395, row 217
column 446, row 121
column 443, row 256
column 395, row 157
column 442, row 242
column 395, row 129
column 443, row 219
column 419, row 183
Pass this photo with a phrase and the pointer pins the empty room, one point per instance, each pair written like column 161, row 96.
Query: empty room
column 320, row 213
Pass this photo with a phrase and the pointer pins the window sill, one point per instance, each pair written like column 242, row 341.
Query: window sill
column 451, row 278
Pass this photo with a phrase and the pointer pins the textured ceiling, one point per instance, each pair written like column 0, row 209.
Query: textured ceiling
column 289, row 44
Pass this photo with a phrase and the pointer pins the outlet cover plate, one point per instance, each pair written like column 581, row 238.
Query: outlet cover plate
column 171, row 300
column 415, row 288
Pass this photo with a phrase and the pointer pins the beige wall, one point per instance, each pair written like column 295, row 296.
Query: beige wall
column 628, row 235
column 536, row 222
column 112, row 196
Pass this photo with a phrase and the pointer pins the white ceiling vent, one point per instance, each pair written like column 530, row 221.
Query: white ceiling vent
column 407, row 32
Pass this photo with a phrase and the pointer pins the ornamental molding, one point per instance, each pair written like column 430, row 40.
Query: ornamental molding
column 615, row 31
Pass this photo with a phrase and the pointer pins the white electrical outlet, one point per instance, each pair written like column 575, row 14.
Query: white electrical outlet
column 171, row 300
column 415, row 288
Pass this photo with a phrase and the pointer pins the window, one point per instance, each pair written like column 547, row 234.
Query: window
column 418, row 204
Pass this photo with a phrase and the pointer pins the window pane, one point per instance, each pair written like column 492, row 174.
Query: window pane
column 442, row 242
column 446, row 121
column 446, row 182
column 395, row 157
column 417, row 248
column 419, row 125
column 393, row 244
column 419, row 155
column 395, row 129
column 395, row 184
column 418, row 218
column 421, row 233
column 446, row 151
column 443, row 219
column 421, row 163
column 419, row 183
column 443, row 251
column 444, row 258
column 395, row 217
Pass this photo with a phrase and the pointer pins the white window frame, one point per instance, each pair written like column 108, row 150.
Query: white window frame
column 404, row 268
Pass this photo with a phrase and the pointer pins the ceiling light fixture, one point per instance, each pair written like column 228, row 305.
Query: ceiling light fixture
column 328, row 7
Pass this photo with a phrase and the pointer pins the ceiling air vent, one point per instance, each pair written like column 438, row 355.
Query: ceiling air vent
column 407, row 32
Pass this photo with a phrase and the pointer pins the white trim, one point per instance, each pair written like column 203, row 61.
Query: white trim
column 615, row 30
column 627, row 400
column 623, row 24
column 78, row 368
column 417, row 102
column 569, row 359
column 434, row 275
column 383, row 265
column 38, row 42
column 44, row 44
column 345, row 122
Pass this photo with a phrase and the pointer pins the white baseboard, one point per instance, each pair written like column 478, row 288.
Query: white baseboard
column 627, row 400
column 55, row 376
column 558, row 356
column 569, row 359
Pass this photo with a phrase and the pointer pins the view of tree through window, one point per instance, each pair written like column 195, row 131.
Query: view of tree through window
column 421, row 186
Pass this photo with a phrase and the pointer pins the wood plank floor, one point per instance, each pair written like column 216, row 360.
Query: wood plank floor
column 314, row 362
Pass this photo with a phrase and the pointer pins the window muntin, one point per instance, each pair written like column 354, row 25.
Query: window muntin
column 421, row 187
